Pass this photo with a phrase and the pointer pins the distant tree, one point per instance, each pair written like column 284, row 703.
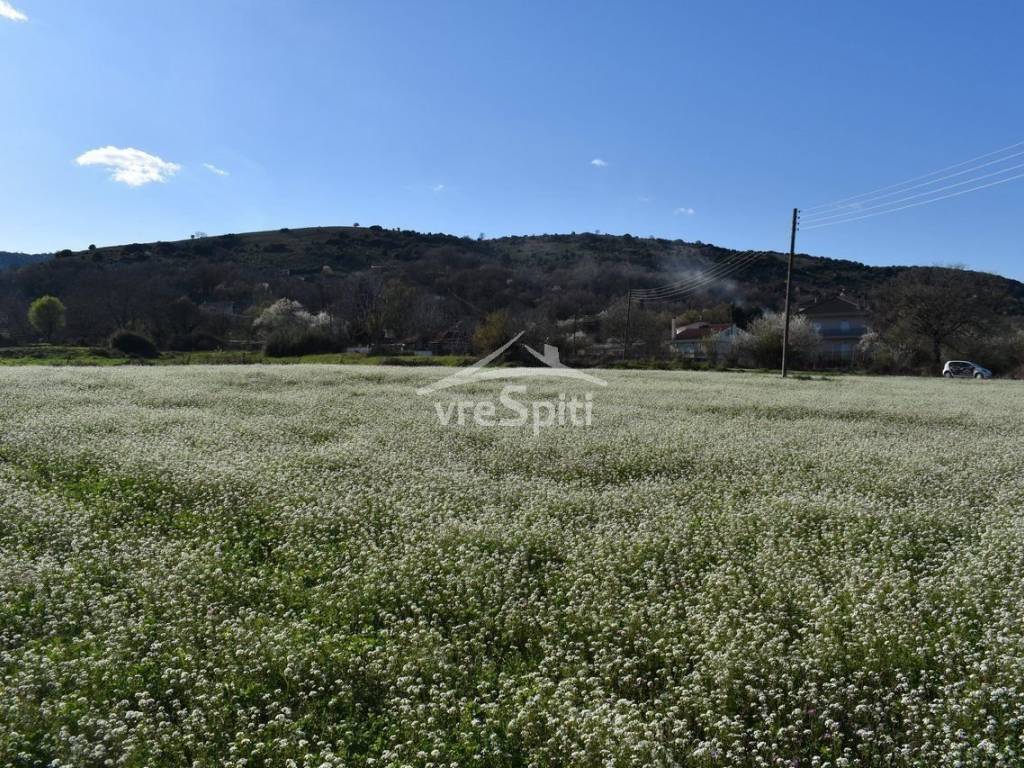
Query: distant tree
column 493, row 331
column 744, row 315
column 889, row 355
column 120, row 297
column 647, row 328
column 936, row 307
column 180, row 317
column 719, row 313
column 762, row 344
column 397, row 307
column 1001, row 352
column 359, row 304
column 46, row 314
column 289, row 314
column 92, row 247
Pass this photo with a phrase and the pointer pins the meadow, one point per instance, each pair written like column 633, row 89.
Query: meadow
column 298, row 566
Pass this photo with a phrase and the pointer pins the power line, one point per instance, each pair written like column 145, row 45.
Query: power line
column 659, row 294
column 922, row 202
column 700, row 277
column 909, row 181
column 821, row 218
column 826, row 214
column 690, row 288
column 697, row 285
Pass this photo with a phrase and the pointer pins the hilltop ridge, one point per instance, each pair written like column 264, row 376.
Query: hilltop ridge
column 643, row 262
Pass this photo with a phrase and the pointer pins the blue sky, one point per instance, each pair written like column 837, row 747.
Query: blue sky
column 711, row 119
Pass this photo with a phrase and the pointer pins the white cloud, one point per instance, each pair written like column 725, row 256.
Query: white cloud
column 130, row 166
column 684, row 211
column 215, row 170
column 597, row 162
column 439, row 188
column 8, row 11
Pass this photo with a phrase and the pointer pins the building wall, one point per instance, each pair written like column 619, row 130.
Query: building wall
column 849, row 326
column 840, row 335
column 839, row 349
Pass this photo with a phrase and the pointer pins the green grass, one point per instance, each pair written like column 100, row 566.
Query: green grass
column 44, row 354
column 56, row 355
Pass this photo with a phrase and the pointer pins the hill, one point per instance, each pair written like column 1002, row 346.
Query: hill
column 385, row 283
column 10, row 260
column 650, row 262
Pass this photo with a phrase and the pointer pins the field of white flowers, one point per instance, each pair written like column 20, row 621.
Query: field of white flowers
column 297, row 566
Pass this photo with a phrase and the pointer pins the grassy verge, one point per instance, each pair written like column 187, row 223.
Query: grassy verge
column 98, row 356
column 57, row 355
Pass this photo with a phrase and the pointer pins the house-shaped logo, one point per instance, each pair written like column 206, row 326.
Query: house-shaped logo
column 552, row 368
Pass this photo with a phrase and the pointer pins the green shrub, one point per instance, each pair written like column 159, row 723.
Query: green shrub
column 293, row 342
column 195, row 342
column 133, row 344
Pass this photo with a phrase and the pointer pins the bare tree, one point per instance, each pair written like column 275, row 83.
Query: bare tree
column 937, row 307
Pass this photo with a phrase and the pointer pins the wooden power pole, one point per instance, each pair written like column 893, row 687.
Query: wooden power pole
column 629, row 303
column 629, row 307
column 789, row 290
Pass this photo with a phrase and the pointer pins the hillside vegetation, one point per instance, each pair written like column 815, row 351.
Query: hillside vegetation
column 373, row 285
column 648, row 260
column 10, row 260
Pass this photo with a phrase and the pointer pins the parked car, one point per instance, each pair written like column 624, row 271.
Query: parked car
column 965, row 369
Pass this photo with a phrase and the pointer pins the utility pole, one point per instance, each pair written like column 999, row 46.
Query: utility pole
column 789, row 289
column 629, row 303
column 629, row 306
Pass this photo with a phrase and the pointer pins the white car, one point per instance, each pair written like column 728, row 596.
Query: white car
column 965, row 369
